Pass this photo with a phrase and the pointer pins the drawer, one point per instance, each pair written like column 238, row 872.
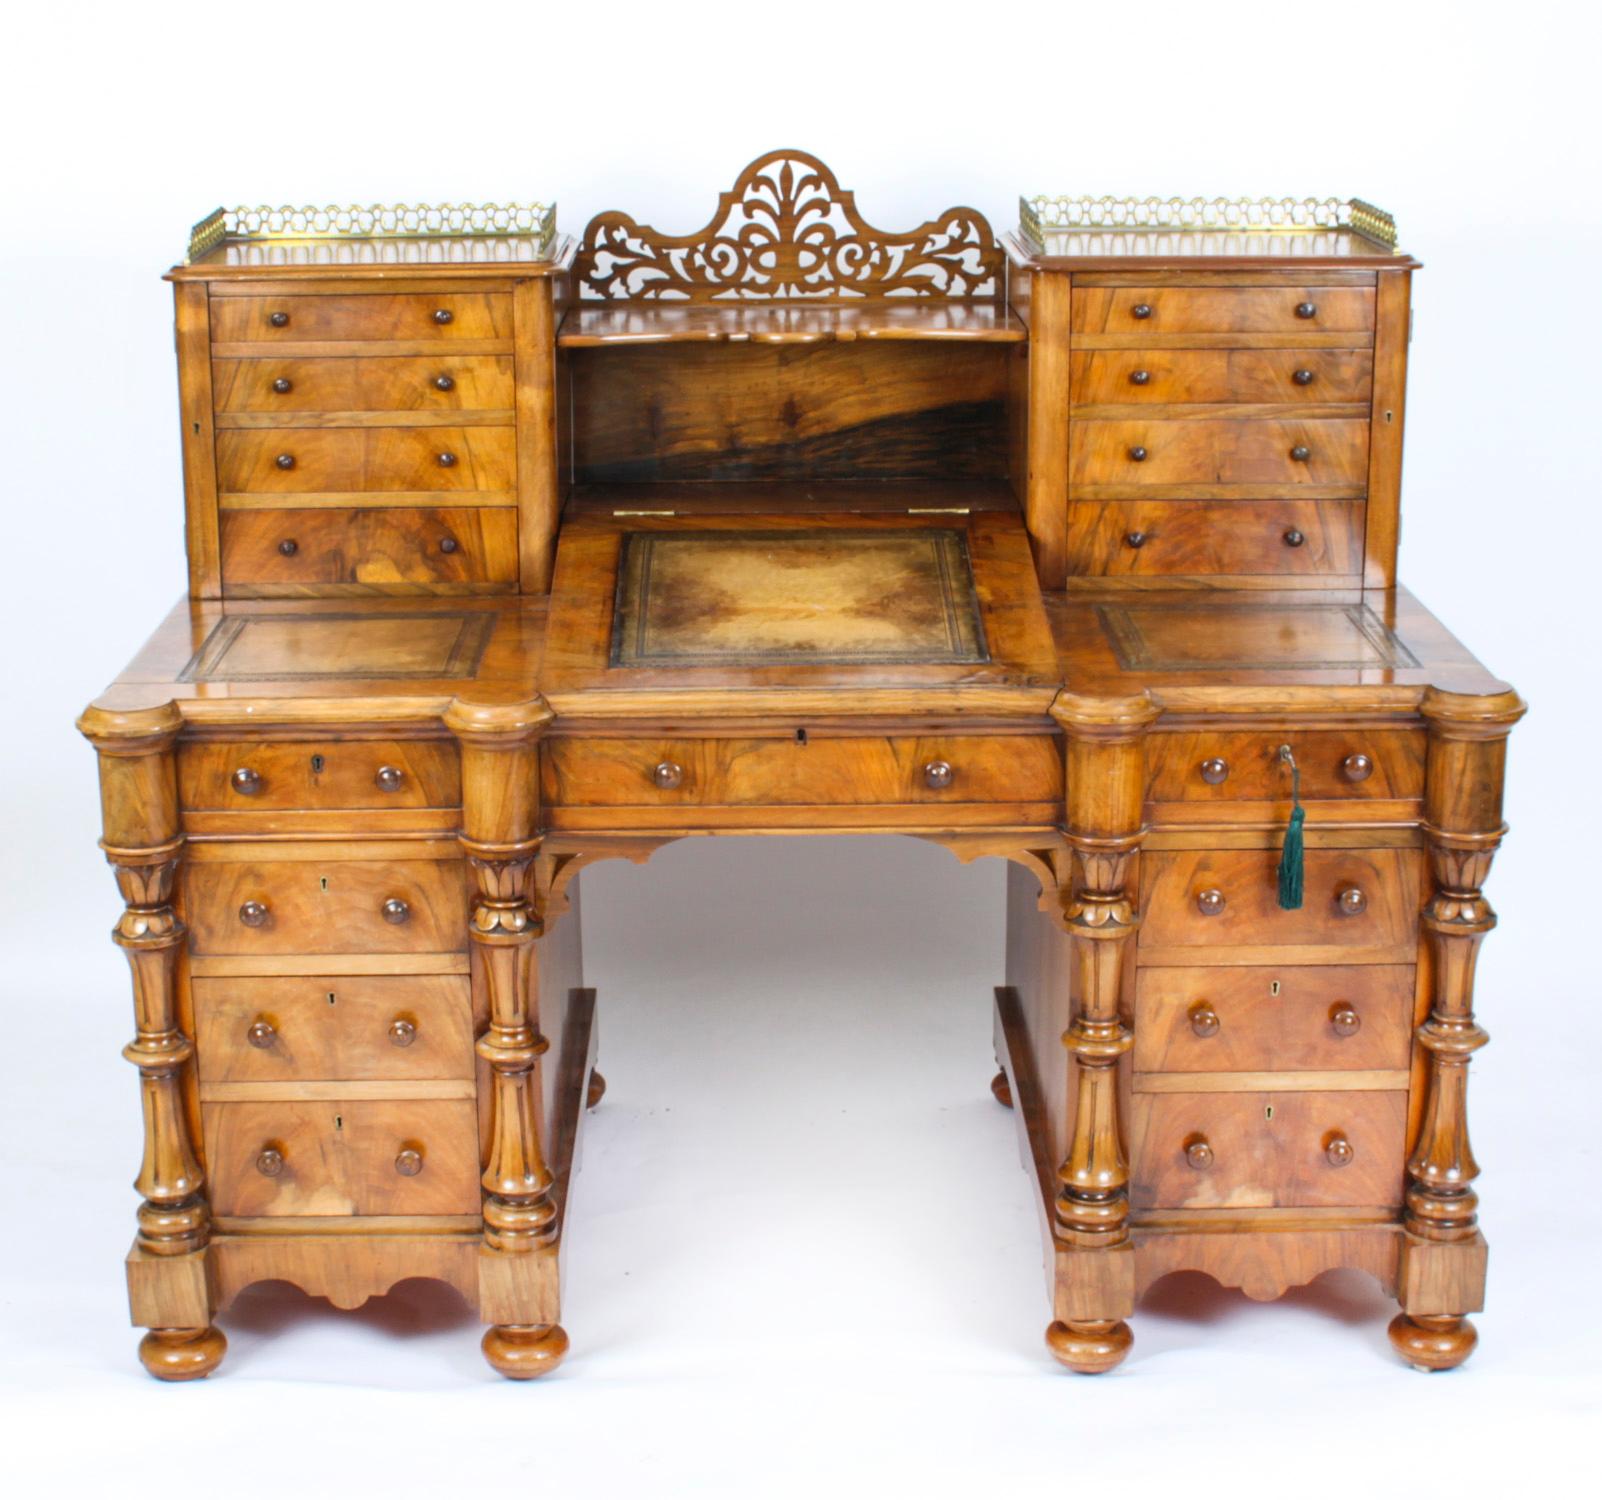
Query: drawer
column 426, row 383
column 323, row 460
column 1157, row 310
column 1215, row 765
column 820, row 771
column 342, row 1157
column 1264, row 1020
column 1199, row 453
column 1157, row 376
column 339, row 1027
column 1325, row 1149
column 1160, row 538
column 1363, row 900
column 400, row 548
column 326, row 906
column 254, row 775
column 442, row 317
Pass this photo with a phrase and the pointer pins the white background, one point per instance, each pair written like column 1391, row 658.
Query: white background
column 802, row 1255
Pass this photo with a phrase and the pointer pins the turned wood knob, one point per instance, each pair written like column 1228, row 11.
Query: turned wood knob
column 1306, row 309
column 1343, row 1020
column 668, row 774
column 443, row 315
column 395, row 911
column 289, row 546
column 447, row 460
column 269, row 1161
column 1357, row 767
column 246, row 782
column 278, row 319
column 254, row 913
column 389, row 778
column 1293, row 538
column 1140, row 377
column 448, row 544
column 1302, row 377
column 262, row 1033
column 1301, row 453
column 1210, row 902
column 1198, row 1154
column 1215, row 771
column 1352, row 901
column 1338, row 1150
column 1135, row 539
column 444, row 383
column 1141, row 310
column 285, row 460
column 402, row 1033
column 1137, row 454
column 937, row 774
column 409, row 1162
column 1204, row 1019
column 283, row 385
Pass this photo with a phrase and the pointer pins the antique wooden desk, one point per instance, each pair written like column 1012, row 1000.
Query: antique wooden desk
column 510, row 554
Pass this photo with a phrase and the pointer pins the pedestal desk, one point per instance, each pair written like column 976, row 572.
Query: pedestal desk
column 509, row 554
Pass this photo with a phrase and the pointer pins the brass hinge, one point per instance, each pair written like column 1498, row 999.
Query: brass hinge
column 937, row 510
column 644, row 512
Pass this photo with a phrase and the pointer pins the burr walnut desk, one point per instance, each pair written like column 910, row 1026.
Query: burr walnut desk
column 509, row 554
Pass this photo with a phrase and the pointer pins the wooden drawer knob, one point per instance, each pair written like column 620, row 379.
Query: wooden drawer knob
column 396, row 911
column 1204, row 1019
column 1215, row 770
column 938, row 775
column 285, row 460
column 402, row 1033
column 1210, row 902
column 409, row 1162
column 1135, row 539
column 254, row 913
column 1302, row 377
column 1137, row 454
column 1198, row 1154
column 278, row 319
column 1306, row 309
column 668, row 774
column 262, row 1033
column 1301, row 453
column 1338, row 1150
column 444, row 383
column 443, row 315
column 283, row 385
column 1140, row 377
column 1357, row 767
column 389, row 778
column 289, row 546
column 1293, row 538
column 1352, row 901
column 1141, row 310
column 246, row 782
column 269, row 1161
column 448, row 544
column 1343, row 1020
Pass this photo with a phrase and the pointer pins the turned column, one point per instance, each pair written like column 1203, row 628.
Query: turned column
column 500, row 836
column 1443, row 1253
column 1106, row 781
column 168, row 1287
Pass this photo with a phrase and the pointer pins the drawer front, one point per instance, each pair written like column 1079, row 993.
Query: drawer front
column 1157, row 376
column 426, row 383
column 1202, row 899
column 1263, row 1020
column 1194, row 309
column 342, row 1157
column 340, row 460
column 299, row 319
column 256, row 775
column 333, row 906
column 400, row 549
column 1159, row 538
column 822, row 771
column 1214, row 765
column 1219, row 452
column 339, row 1027
column 1280, row 1150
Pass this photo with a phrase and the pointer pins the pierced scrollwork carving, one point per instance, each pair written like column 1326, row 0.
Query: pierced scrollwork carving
column 788, row 229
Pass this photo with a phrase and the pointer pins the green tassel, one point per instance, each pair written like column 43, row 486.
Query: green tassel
column 1290, row 859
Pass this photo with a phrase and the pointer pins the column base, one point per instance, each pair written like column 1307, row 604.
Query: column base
column 182, row 1353
column 523, row 1351
column 1089, row 1348
column 1432, row 1343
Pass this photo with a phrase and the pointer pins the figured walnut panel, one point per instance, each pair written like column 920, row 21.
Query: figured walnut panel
column 1217, row 636
column 1220, row 452
column 318, row 774
column 473, row 315
column 1193, row 309
column 1221, row 375
column 324, row 460
column 328, row 645
column 1157, row 538
column 477, row 382
column 1361, row 764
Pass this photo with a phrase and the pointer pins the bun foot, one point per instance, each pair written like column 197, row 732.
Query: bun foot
column 1433, row 1343
column 1089, row 1348
column 597, row 1090
column 1001, row 1089
column 182, row 1353
column 520, row 1351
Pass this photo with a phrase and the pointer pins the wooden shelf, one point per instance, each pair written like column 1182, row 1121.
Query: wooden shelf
column 596, row 325
column 931, row 497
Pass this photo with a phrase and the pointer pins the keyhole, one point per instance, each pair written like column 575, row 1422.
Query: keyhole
column 339, row 1122
column 317, row 765
column 323, row 882
column 330, row 997
column 1268, row 1111
column 800, row 736
column 1273, row 988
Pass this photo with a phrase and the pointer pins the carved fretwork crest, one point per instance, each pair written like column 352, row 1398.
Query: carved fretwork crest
column 788, row 229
